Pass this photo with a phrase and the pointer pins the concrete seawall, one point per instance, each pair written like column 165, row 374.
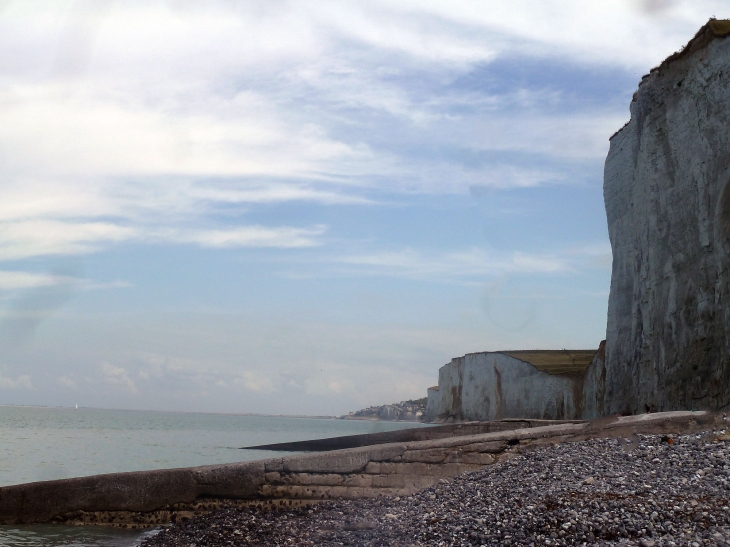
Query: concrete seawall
column 405, row 435
column 156, row 497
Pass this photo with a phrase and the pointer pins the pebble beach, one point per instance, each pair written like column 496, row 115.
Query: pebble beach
column 647, row 490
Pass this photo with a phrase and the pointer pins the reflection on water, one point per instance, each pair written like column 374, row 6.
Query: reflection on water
column 53, row 535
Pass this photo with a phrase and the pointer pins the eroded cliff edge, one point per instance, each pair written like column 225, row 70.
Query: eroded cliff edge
column 667, row 196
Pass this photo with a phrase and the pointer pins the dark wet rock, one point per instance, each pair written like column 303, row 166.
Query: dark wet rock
column 593, row 492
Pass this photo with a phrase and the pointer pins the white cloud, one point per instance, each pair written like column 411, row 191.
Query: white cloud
column 31, row 238
column 66, row 382
column 117, row 376
column 566, row 136
column 253, row 236
column 46, row 129
column 231, row 192
column 328, row 384
column 145, row 101
column 96, row 285
column 21, row 280
column 21, row 382
column 470, row 266
column 258, row 381
column 602, row 31
column 597, row 256
column 117, row 119
column 466, row 264
column 595, row 250
column 28, row 238
column 13, row 280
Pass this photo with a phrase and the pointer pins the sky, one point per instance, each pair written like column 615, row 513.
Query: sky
column 305, row 207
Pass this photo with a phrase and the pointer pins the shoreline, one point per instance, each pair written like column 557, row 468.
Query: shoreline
column 151, row 498
column 643, row 491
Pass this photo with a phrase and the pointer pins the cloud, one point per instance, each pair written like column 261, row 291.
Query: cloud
column 26, row 239
column 559, row 135
column 226, row 191
column 47, row 131
column 95, row 285
column 45, row 282
column 323, row 385
column 252, row 236
column 451, row 266
column 29, row 238
column 652, row 7
column 117, row 376
column 21, row 382
column 34, row 297
column 257, row 381
column 13, row 280
column 66, row 382
column 124, row 120
column 597, row 255
column 297, row 363
column 603, row 32
column 469, row 265
column 164, row 124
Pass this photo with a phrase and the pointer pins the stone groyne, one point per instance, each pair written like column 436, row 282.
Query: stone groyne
column 393, row 469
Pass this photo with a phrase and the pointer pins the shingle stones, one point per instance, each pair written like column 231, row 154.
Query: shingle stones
column 649, row 491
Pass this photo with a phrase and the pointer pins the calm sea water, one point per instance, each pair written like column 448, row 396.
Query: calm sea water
column 54, row 443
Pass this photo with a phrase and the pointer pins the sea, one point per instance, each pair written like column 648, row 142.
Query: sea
column 39, row 443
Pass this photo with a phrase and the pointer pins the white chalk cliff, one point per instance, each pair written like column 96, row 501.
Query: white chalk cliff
column 667, row 196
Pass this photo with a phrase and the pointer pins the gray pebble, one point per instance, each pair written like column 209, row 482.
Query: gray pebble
column 587, row 493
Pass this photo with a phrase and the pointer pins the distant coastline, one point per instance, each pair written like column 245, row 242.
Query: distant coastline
column 61, row 407
column 405, row 411
column 412, row 410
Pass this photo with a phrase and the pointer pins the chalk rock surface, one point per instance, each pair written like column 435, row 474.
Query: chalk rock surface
column 667, row 196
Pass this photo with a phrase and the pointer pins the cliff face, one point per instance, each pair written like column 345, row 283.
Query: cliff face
column 494, row 385
column 667, row 196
